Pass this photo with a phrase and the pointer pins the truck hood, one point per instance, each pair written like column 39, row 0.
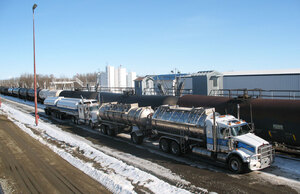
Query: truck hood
column 251, row 140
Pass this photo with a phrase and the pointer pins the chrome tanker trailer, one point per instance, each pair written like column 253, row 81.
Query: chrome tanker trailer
column 125, row 118
column 79, row 110
column 204, row 132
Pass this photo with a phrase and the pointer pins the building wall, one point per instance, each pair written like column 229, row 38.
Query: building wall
column 214, row 82
column 200, row 85
column 265, row 82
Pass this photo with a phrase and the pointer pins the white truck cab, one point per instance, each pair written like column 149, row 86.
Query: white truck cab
column 235, row 139
column 88, row 111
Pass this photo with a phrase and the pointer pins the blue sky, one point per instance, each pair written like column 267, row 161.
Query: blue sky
column 149, row 37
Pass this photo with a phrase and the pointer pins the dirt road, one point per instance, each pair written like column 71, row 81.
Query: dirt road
column 30, row 167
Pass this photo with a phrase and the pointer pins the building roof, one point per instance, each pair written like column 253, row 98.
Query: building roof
column 200, row 73
column 139, row 78
column 263, row 72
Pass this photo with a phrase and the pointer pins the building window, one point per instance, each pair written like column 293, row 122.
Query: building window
column 215, row 82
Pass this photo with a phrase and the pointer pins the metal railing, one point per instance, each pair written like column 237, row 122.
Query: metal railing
column 258, row 93
column 167, row 92
column 108, row 89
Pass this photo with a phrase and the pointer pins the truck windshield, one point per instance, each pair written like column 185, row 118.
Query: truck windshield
column 240, row 130
column 93, row 108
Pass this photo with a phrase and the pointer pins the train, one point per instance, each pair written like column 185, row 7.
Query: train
column 273, row 119
column 42, row 94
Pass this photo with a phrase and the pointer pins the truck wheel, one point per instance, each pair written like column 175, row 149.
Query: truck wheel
column 91, row 124
column 136, row 139
column 110, row 131
column 103, row 130
column 74, row 120
column 164, row 145
column 175, row 148
column 235, row 164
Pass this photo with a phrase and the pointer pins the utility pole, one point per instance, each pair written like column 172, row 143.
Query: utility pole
column 35, row 92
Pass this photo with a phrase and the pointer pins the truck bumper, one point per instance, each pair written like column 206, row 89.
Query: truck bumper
column 261, row 163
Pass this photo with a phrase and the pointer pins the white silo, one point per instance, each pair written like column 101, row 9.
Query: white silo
column 122, row 76
column 131, row 76
column 110, row 76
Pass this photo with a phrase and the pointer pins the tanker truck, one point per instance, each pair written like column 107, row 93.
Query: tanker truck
column 200, row 130
column 207, row 133
column 78, row 110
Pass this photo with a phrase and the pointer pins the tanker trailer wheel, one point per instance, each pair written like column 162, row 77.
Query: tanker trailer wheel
column 136, row 139
column 175, row 148
column 110, row 131
column 103, row 129
column 164, row 145
column 235, row 164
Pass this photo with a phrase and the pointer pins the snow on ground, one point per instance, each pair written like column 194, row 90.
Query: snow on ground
column 22, row 101
column 114, row 174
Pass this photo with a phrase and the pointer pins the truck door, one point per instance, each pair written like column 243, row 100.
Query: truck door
column 223, row 140
column 209, row 136
column 81, row 111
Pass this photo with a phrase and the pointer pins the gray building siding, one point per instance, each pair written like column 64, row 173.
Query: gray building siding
column 200, row 85
column 265, row 82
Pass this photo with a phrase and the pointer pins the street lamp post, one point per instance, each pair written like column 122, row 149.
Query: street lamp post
column 35, row 93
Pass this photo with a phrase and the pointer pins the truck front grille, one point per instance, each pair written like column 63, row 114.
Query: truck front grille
column 265, row 151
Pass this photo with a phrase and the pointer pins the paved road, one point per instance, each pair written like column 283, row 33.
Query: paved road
column 33, row 168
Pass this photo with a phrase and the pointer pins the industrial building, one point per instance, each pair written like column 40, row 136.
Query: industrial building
column 280, row 83
column 266, row 80
column 202, row 82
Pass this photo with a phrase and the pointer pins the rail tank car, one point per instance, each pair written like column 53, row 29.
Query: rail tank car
column 275, row 120
column 30, row 93
column 15, row 92
column 144, row 100
column 43, row 95
column 53, row 93
column 4, row 90
column 23, row 93
column 10, row 91
column 79, row 94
